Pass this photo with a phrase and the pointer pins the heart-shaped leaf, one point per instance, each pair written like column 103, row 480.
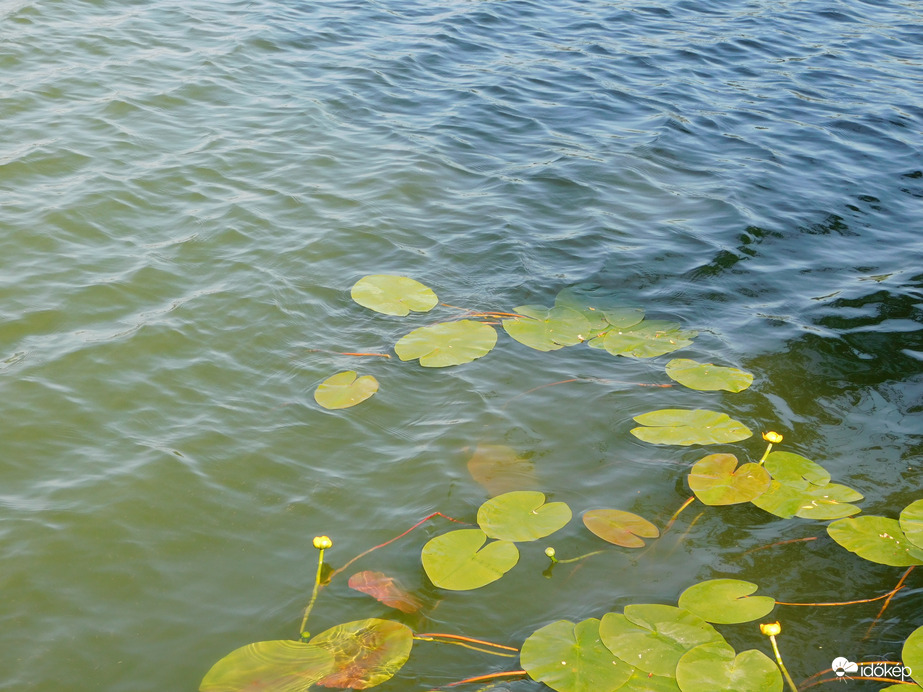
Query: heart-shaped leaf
column 726, row 601
column 393, row 295
column 618, row 527
column 345, row 389
column 912, row 525
column 366, row 652
column 828, row 502
column 912, row 654
column 448, row 343
column 385, row 589
column 676, row 426
column 715, row 668
column 877, row 539
column 547, row 329
column 646, row 339
column 459, row 560
column 716, row 480
column 795, row 470
column 571, row 658
column 280, row 666
column 601, row 311
column 654, row 637
column 499, row 469
column 522, row 516
column 707, row 376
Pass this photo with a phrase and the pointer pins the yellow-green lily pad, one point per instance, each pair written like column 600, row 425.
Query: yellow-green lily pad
column 447, row 343
column 716, row 480
column 345, row 389
column 522, row 515
column 707, row 376
column 726, row 601
column 674, row 426
column 281, row 665
column 459, row 560
column 393, row 295
column 878, row 539
column 620, row 528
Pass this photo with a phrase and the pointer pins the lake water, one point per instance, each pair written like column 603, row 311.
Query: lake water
column 188, row 190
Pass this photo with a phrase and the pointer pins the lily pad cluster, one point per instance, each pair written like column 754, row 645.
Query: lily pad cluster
column 657, row 648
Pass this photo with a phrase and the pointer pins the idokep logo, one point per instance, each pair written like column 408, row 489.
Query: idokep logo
column 875, row 669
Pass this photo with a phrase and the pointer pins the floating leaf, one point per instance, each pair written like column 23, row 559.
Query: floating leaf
column 675, row 426
column 912, row 525
column 522, row 516
column 393, row 295
column 448, row 343
column 726, row 601
column 715, row 668
column 547, row 329
column 782, row 499
column 571, row 658
column 618, row 527
column 279, row 666
column 457, row 560
column 877, row 539
column 646, row 682
column 796, row 470
column 385, row 589
column 646, row 339
column 499, row 469
column 716, row 480
column 912, row 654
column 366, row 652
column 345, row 389
column 602, row 312
column 828, row 502
column 654, row 637
column 707, row 377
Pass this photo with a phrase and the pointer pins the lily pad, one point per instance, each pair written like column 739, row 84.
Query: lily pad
column 831, row 501
column 393, row 295
column 654, row 637
column 571, row 658
column 646, row 682
column 877, row 539
column 448, row 343
column 711, row 668
column 499, row 469
column 726, row 601
column 796, row 470
column 620, row 528
column 675, row 426
column 279, row 665
column 547, row 329
column 707, row 376
column 345, row 389
column 602, row 312
column 716, row 480
column 459, row 560
column 912, row 654
column 386, row 590
column 366, row 652
column 522, row 516
column 782, row 499
column 912, row 525
column 646, row 339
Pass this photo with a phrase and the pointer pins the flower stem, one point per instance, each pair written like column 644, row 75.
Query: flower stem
column 317, row 579
column 775, row 648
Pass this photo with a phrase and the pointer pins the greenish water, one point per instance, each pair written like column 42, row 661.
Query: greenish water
column 188, row 191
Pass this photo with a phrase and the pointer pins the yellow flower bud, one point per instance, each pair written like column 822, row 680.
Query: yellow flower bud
column 321, row 542
column 772, row 437
column 549, row 552
column 770, row 629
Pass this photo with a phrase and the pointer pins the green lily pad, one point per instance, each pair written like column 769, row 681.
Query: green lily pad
column 547, row 329
column 707, row 377
column 912, row 654
column 448, row 343
column 459, row 560
column 393, row 295
column 602, row 312
column 345, row 389
column 646, row 339
column 365, row 652
column 831, row 501
column 675, row 426
column 654, row 637
column 715, row 668
column 571, row 658
column 645, row 682
column 522, row 516
column 782, row 499
column 877, row 539
column 912, row 525
column 279, row 665
column 716, row 480
column 795, row 470
column 620, row 528
column 726, row 601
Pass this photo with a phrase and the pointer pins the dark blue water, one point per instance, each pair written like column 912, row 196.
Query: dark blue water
column 188, row 191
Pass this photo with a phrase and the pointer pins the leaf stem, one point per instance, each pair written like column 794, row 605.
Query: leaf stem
column 676, row 514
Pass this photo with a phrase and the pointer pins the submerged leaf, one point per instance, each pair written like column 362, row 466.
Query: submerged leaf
column 726, row 601
column 499, row 469
column 716, row 480
column 620, row 528
column 459, row 560
column 386, row 590
column 877, row 539
column 707, row 376
column 715, row 668
column 366, row 652
column 448, row 343
column 571, row 658
column 393, row 295
column 279, row 666
column 674, row 426
column 345, row 389
column 522, row 516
